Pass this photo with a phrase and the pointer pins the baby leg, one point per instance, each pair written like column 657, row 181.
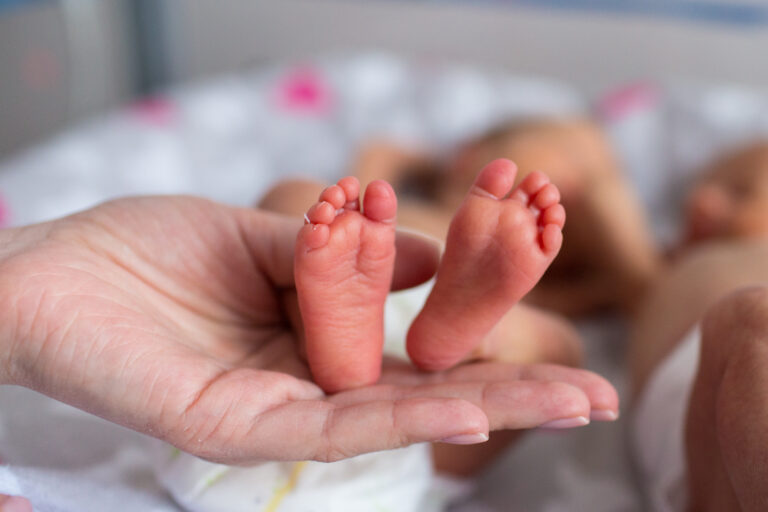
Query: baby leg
column 499, row 244
column 344, row 264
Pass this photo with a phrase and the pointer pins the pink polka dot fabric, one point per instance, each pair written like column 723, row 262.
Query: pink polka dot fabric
column 304, row 90
column 628, row 99
column 156, row 111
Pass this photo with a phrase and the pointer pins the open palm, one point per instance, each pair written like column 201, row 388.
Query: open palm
column 173, row 316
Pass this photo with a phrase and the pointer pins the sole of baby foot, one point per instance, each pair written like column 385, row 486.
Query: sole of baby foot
column 500, row 242
column 344, row 261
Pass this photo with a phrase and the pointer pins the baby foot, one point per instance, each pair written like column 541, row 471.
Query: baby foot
column 499, row 245
column 343, row 269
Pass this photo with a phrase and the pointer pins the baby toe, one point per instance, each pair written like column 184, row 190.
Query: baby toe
column 380, row 202
column 313, row 236
column 551, row 239
column 321, row 213
column 555, row 214
column 547, row 196
column 334, row 195
column 496, row 178
column 530, row 187
column 351, row 187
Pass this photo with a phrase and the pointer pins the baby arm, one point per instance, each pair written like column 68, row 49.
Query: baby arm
column 617, row 241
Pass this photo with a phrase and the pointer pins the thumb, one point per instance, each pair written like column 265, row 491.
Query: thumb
column 271, row 239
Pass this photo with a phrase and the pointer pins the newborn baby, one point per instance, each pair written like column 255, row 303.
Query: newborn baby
column 698, row 361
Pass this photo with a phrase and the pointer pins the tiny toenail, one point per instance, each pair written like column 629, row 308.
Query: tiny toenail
column 483, row 192
column 520, row 196
column 306, row 219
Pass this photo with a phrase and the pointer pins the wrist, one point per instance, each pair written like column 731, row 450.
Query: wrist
column 13, row 243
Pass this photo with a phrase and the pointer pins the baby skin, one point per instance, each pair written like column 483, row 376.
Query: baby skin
column 500, row 242
column 344, row 262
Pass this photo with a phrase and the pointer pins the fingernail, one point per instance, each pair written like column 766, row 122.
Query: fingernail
column 578, row 421
column 603, row 415
column 466, row 439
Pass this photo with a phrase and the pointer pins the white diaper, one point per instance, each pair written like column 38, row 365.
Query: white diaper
column 657, row 428
column 400, row 310
column 387, row 481
column 395, row 481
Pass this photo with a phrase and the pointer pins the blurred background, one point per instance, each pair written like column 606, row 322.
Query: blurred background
column 105, row 98
column 101, row 98
column 63, row 60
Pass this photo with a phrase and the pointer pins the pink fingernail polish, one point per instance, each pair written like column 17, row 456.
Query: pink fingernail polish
column 578, row 421
column 603, row 415
column 466, row 439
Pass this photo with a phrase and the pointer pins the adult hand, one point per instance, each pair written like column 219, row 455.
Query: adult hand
column 166, row 315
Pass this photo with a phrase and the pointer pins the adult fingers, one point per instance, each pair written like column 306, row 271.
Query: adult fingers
column 325, row 431
column 508, row 404
column 602, row 396
column 246, row 415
